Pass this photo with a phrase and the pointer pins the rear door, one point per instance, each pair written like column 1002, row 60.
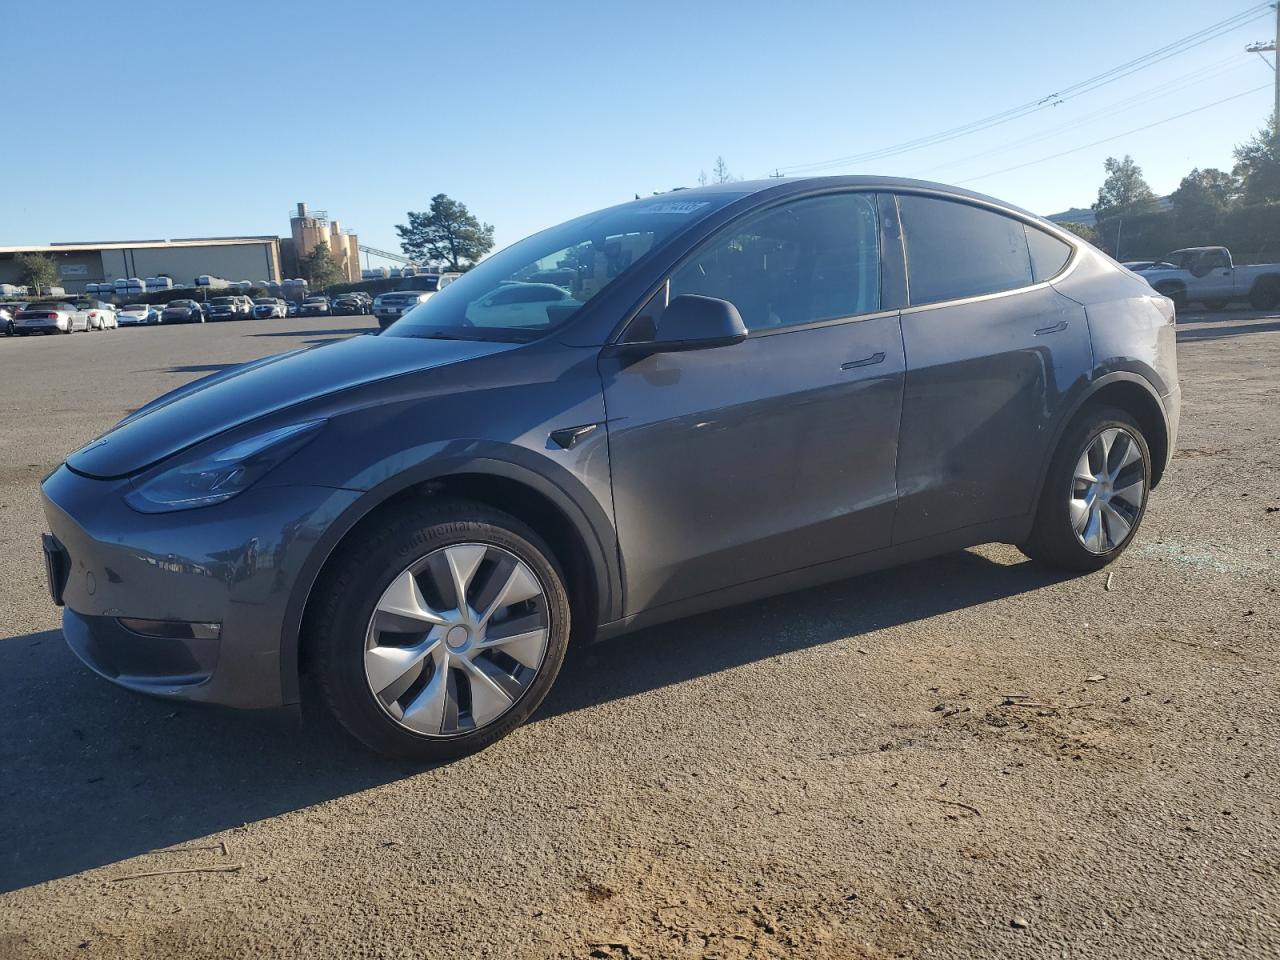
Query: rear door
column 739, row 463
column 992, row 351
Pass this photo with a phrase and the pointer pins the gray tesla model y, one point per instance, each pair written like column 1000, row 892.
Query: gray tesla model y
column 672, row 405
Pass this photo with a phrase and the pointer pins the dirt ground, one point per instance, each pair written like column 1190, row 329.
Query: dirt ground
column 966, row 757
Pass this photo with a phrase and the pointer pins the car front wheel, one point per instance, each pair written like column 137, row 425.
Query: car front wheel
column 1095, row 494
column 438, row 631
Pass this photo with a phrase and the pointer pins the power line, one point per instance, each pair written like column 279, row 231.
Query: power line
column 1120, row 106
column 1064, row 153
column 1177, row 47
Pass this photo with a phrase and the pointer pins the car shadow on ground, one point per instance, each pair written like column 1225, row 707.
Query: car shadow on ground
column 343, row 332
column 199, row 367
column 96, row 774
column 1188, row 333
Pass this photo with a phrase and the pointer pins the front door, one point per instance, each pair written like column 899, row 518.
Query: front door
column 738, row 463
column 1216, row 278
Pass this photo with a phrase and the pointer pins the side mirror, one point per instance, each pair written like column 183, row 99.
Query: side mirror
column 693, row 322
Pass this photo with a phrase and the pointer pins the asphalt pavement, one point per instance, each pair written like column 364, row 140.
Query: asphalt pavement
column 965, row 757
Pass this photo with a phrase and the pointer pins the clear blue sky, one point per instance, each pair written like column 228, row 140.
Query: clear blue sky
column 185, row 119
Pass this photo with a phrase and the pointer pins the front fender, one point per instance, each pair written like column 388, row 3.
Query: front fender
column 591, row 522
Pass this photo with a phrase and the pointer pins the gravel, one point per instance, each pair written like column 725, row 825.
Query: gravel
column 965, row 757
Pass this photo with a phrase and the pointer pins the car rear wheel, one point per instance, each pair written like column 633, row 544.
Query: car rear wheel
column 438, row 631
column 1265, row 294
column 1095, row 494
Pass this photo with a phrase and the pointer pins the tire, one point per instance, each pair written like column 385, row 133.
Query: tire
column 1215, row 304
column 1175, row 292
column 1054, row 540
column 1265, row 294
column 70, row 329
column 413, row 541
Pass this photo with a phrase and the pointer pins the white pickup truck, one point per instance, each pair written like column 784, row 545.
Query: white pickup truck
column 1208, row 275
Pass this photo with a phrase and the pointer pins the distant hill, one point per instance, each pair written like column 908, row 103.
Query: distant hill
column 1074, row 215
column 1085, row 215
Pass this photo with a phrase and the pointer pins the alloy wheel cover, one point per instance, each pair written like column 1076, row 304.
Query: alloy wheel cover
column 457, row 639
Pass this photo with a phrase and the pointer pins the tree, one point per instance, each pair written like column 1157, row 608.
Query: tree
column 38, row 272
column 1082, row 230
column 448, row 234
column 1124, row 191
column 1202, row 196
column 1258, row 164
column 720, row 172
column 319, row 268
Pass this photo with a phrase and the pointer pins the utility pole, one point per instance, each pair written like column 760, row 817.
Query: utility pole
column 1273, row 47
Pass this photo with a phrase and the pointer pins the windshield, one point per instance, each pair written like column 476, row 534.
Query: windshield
column 269, row 302
column 223, row 300
column 180, row 303
column 135, row 307
column 49, row 306
column 540, row 283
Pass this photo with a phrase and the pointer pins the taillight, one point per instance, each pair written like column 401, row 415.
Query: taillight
column 51, row 316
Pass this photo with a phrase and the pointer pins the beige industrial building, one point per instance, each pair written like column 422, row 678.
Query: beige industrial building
column 79, row 264
column 228, row 258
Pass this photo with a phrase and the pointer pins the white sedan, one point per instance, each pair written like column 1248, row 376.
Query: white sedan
column 136, row 314
column 101, row 316
column 269, row 308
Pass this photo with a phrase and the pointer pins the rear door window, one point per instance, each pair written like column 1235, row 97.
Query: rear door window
column 957, row 250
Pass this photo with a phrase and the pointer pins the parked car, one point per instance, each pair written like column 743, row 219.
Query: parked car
column 51, row 316
column 182, row 311
column 1210, row 276
column 390, row 307
column 291, row 308
column 100, row 314
column 269, row 308
column 140, row 314
column 348, row 305
column 749, row 389
column 8, row 317
column 314, row 307
column 229, row 308
column 134, row 314
column 428, row 282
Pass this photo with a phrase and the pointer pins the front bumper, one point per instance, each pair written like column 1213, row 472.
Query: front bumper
column 234, row 564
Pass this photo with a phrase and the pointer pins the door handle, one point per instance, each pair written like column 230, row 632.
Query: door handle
column 1055, row 328
column 864, row 362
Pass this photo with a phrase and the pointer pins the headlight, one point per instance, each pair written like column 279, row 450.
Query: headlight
column 218, row 476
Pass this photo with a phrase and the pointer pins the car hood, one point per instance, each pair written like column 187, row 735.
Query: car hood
column 207, row 407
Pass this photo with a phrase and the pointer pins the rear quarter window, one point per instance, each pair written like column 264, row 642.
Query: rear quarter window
column 1048, row 254
column 957, row 250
